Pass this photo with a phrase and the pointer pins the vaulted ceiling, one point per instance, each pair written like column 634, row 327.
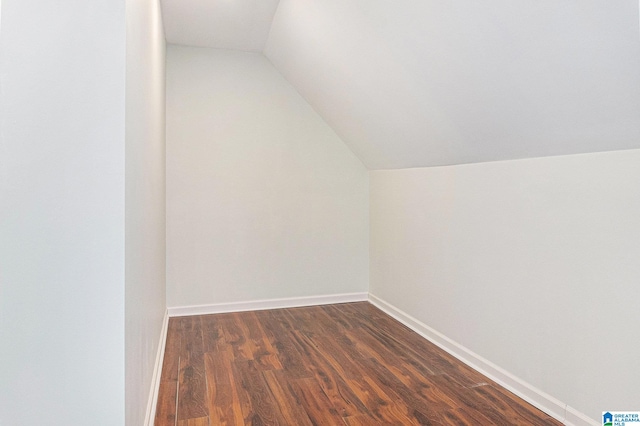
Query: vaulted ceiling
column 413, row 83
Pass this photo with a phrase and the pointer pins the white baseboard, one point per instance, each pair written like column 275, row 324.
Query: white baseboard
column 574, row 417
column 259, row 305
column 157, row 371
column 534, row 396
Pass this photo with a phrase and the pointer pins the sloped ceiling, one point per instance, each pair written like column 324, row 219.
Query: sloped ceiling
column 410, row 83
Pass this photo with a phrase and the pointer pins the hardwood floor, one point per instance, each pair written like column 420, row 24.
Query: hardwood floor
column 346, row 364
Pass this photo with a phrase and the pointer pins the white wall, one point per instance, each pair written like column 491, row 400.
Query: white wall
column 532, row 264
column 145, row 286
column 263, row 199
column 62, row 130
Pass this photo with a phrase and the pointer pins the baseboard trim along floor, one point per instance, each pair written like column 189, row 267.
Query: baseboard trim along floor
column 157, row 372
column 260, row 305
column 539, row 399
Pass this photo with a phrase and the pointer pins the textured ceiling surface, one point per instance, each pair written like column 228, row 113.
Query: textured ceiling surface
column 422, row 83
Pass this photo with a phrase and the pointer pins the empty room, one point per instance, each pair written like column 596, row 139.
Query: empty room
column 319, row 212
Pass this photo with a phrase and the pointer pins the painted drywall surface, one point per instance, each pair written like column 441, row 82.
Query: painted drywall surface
column 423, row 83
column 239, row 24
column 264, row 201
column 145, row 266
column 532, row 264
column 62, row 131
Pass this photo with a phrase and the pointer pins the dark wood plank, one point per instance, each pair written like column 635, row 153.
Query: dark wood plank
column 166, row 408
column 325, row 365
column 237, row 336
column 264, row 354
column 192, row 391
column 417, row 408
column 223, row 402
column 342, row 397
column 510, row 407
column 359, row 420
column 314, row 402
column 172, row 350
column 292, row 411
column 168, row 392
column 200, row 421
column 260, row 407
column 213, row 332
column 278, row 330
